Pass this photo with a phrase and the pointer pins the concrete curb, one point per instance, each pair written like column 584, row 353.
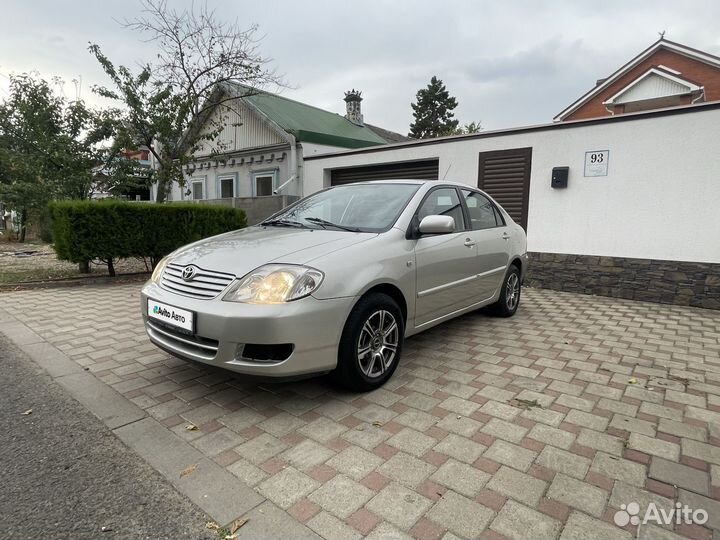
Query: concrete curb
column 212, row 488
column 217, row 492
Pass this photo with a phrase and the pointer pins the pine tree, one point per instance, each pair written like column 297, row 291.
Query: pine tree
column 433, row 112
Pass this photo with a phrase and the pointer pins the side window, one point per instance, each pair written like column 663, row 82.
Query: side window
column 443, row 202
column 499, row 217
column 197, row 190
column 482, row 212
column 227, row 187
column 264, row 183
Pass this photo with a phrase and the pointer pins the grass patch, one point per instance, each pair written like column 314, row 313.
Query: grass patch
column 35, row 274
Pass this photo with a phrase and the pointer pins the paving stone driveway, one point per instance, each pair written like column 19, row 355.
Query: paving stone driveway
column 539, row 426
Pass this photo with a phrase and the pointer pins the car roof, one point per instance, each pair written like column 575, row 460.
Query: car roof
column 413, row 181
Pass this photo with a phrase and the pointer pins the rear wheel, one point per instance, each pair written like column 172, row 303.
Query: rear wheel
column 509, row 300
column 371, row 343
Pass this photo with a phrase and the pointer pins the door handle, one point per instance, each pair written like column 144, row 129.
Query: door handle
column 506, row 236
column 469, row 243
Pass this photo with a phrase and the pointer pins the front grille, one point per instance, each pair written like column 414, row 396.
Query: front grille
column 170, row 338
column 205, row 284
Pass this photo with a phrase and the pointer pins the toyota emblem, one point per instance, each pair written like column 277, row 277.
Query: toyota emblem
column 189, row 272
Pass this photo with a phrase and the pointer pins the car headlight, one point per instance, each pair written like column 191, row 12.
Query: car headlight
column 275, row 284
column 159, row 267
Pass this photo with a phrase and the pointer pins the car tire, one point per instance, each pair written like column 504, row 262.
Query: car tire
column 509, row 300
column 371, row 344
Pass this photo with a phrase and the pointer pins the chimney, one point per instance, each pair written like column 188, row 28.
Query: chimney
column 352, row 107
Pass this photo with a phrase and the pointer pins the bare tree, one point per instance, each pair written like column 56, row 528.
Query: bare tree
column 202, row 64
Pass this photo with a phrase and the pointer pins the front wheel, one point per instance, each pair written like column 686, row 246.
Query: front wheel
column 509, row 300
column 371, row 343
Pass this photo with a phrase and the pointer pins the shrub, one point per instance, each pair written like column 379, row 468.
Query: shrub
column 109, row 230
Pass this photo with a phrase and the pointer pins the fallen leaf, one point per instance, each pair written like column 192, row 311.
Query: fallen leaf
column 29, row 411
column 191, row 427
column 189, row 470
column 212, row 526
column 230, row 537
column 376, row 423
column 633, row 381
column 528, row 403
column 237, row 524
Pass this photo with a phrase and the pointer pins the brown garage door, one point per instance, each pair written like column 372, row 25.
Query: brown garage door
column 418, row 170
column 505, row 176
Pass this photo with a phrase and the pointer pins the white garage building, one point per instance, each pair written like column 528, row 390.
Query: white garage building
column 639, row 216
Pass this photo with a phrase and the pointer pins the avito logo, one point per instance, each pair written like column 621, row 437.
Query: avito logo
column 630, row 514
column 163, row 312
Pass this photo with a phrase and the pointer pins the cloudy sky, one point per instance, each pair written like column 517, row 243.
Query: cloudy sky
column 509, row 63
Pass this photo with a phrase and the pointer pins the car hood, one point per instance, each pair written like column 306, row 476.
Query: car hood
column 239, row 252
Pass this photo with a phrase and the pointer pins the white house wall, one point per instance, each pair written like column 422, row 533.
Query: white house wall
column 243, row 176
column 242, row 129
column 313, row 149
column 658, row 201
column 653, row 86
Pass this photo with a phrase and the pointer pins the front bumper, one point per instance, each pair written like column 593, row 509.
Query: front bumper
column 313, row 326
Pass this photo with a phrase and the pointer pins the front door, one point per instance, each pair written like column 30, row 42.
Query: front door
column 445, row 263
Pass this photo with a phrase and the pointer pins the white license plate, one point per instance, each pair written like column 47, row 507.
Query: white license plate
column 174, row 316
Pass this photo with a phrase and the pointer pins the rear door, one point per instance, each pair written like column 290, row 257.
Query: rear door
column 445, row 263
column 492, row 237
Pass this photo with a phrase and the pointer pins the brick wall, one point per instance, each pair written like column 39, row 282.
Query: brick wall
column 695, row 71
column 666, row 282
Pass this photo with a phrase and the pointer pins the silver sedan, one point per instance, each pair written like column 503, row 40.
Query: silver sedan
column 337, row 281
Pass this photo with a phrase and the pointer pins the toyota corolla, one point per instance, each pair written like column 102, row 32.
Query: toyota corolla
column 337, row 281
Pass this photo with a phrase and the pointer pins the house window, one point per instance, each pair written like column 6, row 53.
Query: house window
column 264, row 183
column 227, row 187
column 197, row 190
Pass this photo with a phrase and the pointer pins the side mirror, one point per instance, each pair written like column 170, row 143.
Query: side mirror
column 436, row 225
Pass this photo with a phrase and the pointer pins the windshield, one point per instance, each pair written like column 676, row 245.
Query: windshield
column 358, row 207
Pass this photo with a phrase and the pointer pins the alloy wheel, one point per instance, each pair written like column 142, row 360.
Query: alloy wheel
column 512, row 291
column 378, row 343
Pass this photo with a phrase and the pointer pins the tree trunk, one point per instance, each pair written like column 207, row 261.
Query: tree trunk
column 111, row 268
column 23, row 228
column 84, row 267
column 161, row 191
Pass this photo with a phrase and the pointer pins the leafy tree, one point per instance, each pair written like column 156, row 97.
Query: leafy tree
column 466, row 129
column 165, row 102
column 48, row 146
column 433, row 111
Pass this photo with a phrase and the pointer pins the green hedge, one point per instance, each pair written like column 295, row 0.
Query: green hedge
column 108, row 230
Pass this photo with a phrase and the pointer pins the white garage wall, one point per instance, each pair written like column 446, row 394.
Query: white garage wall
column 660, row 200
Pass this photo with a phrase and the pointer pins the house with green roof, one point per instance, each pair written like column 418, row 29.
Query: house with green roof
column 259, row 142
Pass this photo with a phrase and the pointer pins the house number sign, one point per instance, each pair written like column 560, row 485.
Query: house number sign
column 596, row 162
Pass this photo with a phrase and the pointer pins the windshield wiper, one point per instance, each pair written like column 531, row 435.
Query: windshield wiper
column 326, row 223
column 284, row 223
